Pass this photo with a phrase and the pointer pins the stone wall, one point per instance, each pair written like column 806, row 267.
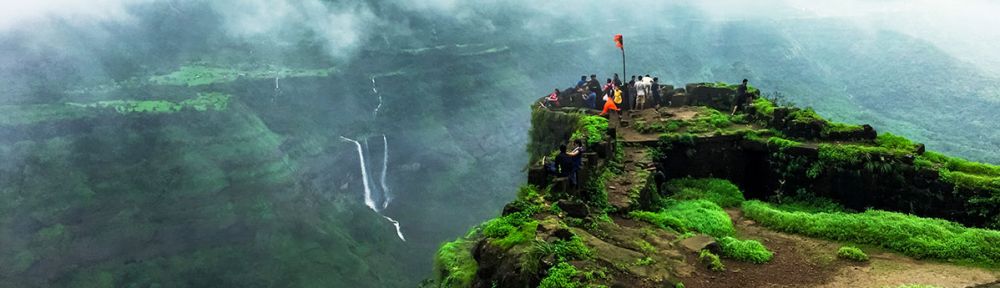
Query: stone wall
column 769, row 172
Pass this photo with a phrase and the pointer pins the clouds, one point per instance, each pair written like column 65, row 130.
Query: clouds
column 340, row 27
column 20, row 13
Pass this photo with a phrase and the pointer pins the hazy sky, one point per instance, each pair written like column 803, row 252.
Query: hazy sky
column 964, row 28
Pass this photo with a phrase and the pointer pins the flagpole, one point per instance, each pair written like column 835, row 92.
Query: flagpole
column 623, row 63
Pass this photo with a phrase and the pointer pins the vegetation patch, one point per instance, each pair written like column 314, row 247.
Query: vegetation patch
column 201, row 74
column 592, row 130
column 692, row 215
column 852, row 253
column 510, row 230
column 712, row 260
column 562, row 275
column 911, row 235
column 203, row 102
column 719, row 191
column 745, row 250
column 454, row 265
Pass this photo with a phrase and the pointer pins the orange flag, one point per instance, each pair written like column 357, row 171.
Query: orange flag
column 619, row 41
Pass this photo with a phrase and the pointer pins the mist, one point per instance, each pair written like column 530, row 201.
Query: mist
column 265, row 188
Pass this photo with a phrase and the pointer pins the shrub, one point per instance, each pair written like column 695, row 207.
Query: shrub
column 698, row 215
column 721, row 192
column 911, row 235
column 713, row 261
column 745, row 250
column 891, row 141
column 454, row 265
column 563, row 275
column 852, row 253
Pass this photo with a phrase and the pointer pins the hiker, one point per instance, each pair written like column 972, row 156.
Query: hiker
column 592, row 100
column 655, row 86
column 582, row 82
column 553, row 100
column 741, row 97
column 577, row 157
column 609, row 101
column 565, row 164
column 630, row 94
column 618, row 82
column 594, row 85
column 640, row 93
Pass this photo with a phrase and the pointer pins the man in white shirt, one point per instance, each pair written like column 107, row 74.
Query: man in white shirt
column 641, row 90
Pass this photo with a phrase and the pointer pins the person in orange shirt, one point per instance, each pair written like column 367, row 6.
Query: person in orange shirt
column 609, row 101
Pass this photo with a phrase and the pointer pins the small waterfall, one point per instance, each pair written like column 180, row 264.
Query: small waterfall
column 386, row 197
column 364, row 175
column 277, row 91
column 375, row 90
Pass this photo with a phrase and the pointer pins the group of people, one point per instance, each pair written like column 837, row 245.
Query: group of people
column 639, row 93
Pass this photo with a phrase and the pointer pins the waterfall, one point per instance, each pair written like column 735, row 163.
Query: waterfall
column 368, row 191
column 375, row 90
column 364, row 175
column 386, row 198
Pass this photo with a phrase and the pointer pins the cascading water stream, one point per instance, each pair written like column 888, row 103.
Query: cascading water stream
column 386, row 197
column 364, row 174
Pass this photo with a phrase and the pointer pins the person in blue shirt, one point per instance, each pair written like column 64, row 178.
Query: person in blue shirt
column 582, row 82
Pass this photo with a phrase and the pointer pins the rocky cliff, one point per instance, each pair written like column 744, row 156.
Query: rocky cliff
column 672, row 195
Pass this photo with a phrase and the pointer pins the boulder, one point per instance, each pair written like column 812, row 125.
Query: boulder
column 575, row 209
column 701, row 242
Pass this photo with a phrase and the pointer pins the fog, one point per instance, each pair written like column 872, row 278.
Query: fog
column 268, row 189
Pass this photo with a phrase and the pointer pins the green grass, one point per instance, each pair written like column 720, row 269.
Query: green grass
column 691, row 215
column 719, row 191
column 911, row 235
column 510, row 230
column 764, row 107
column 454, row 265
column 712, row 260
column 562, row 275
column 892, row 141
column 852, row 253
column 745, row 250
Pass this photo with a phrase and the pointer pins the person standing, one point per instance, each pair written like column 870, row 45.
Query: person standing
column 617, row 81
column 655, row 86
column 630, row 94
column 741, row 97
column 640, row 94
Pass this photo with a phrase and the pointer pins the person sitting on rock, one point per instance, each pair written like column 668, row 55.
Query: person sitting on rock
column 582, row 82
column 553, row 100
column 741, row 97
column 594, row 85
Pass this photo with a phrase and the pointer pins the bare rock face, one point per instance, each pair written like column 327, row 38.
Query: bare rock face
column 701, row 242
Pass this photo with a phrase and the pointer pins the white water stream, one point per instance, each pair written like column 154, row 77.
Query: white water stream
column 386, row 197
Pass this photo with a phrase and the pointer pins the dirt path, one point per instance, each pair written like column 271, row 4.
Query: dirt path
column 807, row 262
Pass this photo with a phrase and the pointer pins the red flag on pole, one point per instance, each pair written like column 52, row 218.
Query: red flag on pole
column 619, row 41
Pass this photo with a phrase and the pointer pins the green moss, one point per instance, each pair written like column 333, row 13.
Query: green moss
column 645, row 261
column 592, row 129
column 644, row 246
column 908, row 234
column 852, row 253
column 510, row 230
column 782, row 143
column 562, row 275
column 712, row 260
column 763, row 107
column 454, row 265
column 745, row 250
column 719, row 191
